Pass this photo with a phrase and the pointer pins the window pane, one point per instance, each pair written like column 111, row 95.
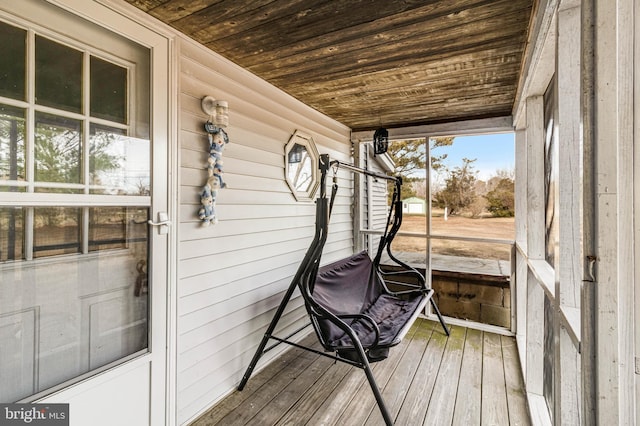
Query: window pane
column 551, row 167
column 12, row 66
column 58, row 151
column 118, row 164
column 116, row 227
column 108, row 91
column 58, row 75
column 12, row 148
column 11, row 233
column 300, row 155
column 472, row 177
column 71, row 315
column 299, row 168
column 56, row 231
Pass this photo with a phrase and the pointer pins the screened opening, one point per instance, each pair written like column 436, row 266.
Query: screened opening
column 458, row 219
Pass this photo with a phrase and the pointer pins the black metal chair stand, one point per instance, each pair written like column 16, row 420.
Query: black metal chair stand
column 357, row 311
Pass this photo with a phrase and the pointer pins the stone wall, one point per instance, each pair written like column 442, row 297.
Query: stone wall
column 481, row 298
column 475, row 297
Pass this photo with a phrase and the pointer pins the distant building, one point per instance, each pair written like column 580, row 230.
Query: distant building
column 414, row 205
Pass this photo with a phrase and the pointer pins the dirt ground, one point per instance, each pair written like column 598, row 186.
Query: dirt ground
column 486, row 227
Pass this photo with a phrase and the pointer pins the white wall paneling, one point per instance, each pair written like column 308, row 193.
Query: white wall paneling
column 232, row 275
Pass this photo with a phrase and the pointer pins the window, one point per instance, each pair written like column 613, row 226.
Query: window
column 12, row 147
column 552, row 234
column 301, row 171
column 551, row 175
column 75, row 179
column 77, row 148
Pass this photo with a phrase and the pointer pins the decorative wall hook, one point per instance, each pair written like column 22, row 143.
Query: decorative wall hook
column 217, row 110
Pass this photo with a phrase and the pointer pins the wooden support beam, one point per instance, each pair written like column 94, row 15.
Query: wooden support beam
column 613, row 147
column 535, row 179
column 568, row 282
column 520, row 286
column 535, row 243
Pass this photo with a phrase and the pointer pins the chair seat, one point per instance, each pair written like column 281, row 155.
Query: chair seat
column 351, row 286
column 393, row 316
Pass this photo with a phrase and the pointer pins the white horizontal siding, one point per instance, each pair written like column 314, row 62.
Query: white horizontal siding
column 377, row 203
column 232, row 276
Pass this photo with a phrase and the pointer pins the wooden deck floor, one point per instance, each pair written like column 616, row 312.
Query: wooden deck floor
column 470, row 378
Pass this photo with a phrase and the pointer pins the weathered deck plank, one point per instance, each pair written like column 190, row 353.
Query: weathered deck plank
column 399, row 383
column 262, row 399
column 231, row 402
column 290, row 395
column 470, row 378
column 442, row 403
column 494, row 398
column 364, row 402
column 516, row 398
column 307, row 406
column 469, row 398
column 417, row 399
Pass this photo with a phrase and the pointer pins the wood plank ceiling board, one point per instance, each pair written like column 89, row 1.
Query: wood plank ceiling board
column 370, row 63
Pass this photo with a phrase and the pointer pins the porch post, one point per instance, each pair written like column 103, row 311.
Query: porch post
column 520, row 287
column 587, row 311
column 535, row 242
column 568, row 277
column 614, row 151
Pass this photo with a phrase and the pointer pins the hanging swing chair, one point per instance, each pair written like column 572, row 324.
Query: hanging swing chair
column 358, row 311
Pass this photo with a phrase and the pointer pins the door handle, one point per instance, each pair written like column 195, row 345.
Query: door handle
column 163, row 223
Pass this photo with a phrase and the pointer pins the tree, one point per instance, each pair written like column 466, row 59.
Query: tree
column 12, row 145
column 407, row 190
column 58, row 155
column 437, row 161
column 501, row 199
column 438, row 167
column 458, row 192
column 99, row 158
column 419, row 187
column 410, row 157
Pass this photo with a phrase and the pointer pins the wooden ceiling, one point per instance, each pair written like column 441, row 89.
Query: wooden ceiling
column 370, row 63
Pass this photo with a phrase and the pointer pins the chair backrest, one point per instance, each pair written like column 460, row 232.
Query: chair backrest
column 348, row 286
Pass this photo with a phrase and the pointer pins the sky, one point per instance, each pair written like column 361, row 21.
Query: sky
column 492, row 152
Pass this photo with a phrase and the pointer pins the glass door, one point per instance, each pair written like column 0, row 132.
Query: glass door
column 76, row 193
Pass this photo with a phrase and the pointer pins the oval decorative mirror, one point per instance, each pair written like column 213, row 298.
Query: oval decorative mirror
column 301, row 166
